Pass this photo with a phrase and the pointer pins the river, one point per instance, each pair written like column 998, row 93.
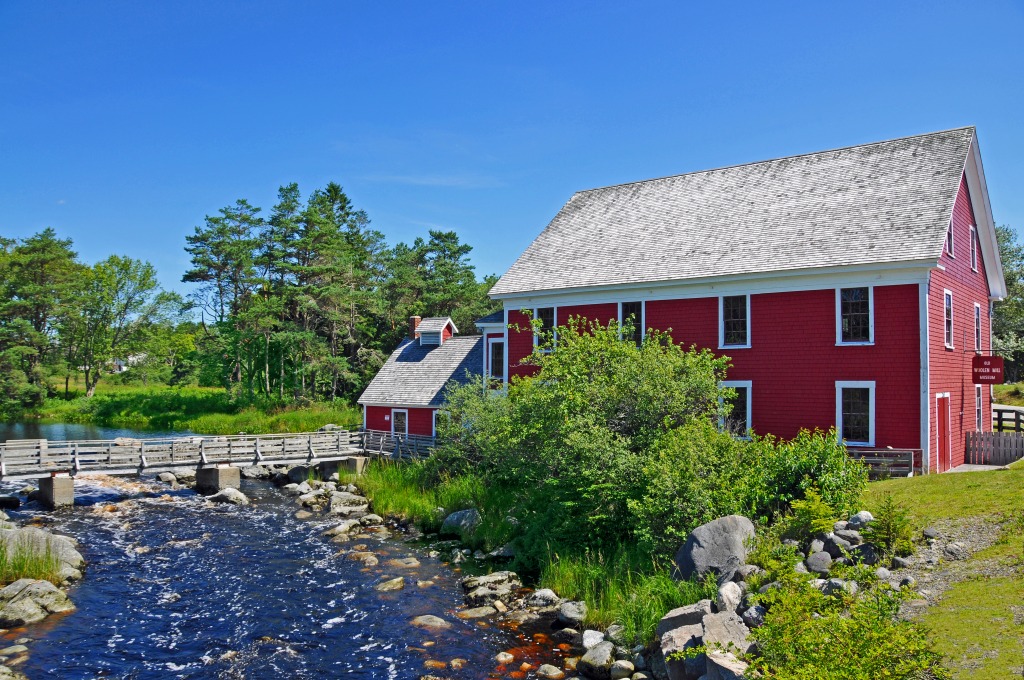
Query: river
column 175, row 587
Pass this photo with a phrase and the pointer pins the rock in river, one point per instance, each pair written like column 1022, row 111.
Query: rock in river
column 229, row 495
column 431, row 622
column 28, row 601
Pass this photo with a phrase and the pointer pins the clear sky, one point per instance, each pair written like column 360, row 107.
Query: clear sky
column 123, row 124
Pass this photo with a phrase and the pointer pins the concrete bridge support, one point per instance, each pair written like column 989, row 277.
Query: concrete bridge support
column 353, row 465
column 57, row 491
column 210, row 480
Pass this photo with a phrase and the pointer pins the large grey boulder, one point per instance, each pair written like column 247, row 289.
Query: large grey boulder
column 689, row 615
column 597, row 662
column 727, row 631
column 40, row 541
column 860, row 520
column 725, row 666
column 27, row 601
column 729, row 597
column 837, row 546
column 461, row 523
column 718, row 547
column 819, row 563
column 545, row 597
column 484, row 590
column 678, row 640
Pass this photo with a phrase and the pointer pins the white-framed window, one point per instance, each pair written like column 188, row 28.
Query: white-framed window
column 947, row 312
column 496, row 359
column 855, row 316
column 733, row 321
column 546, row 315
column 949, row 239
column 977, row 327
column 635, row 312
column 399, row 421
column 738, row 422
column 855, row 412
column 433, row 423
column 978, row 413
column 974, row 248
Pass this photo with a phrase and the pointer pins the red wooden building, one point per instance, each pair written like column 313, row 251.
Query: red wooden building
column 851, row 288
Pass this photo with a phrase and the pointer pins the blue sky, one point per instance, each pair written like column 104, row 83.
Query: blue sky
column 123, row 124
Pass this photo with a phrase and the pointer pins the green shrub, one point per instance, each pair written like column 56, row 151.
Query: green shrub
column 28, row 560
column 811, row 515
column 892, row 529
column 811, row 636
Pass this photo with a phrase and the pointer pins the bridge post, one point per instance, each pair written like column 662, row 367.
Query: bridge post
column 57, row 491
column 210, row 480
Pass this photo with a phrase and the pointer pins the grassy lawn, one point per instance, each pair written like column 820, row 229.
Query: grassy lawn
column 979, row 622
column 1011, row 394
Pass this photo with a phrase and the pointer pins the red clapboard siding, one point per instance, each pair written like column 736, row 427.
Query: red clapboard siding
column 794, row 363
column 421, row 420
column 520, row 344
column 950, row 369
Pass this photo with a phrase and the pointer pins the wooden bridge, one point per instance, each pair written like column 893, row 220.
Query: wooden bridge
column 216, row 460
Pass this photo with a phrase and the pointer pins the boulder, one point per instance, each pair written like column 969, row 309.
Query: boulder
column 718, row 547
column 505, row 552
column 477, row 613
column 33, row 539
column 486, row 590
column 865, row 553
column 930, row 533
column 883, row 574
column 819, row 563
column 675, row 641
column 597, row 662
column 729, row 597
column 621, row 670
column 860, row 520
column 850, row 536
column 725, row 666
column 745, row 571
column 592, row 638
column 461, row 523
column 689, row 615
column 345, row 527
column 840, row 525
column 167, row 478
column 836, row 547
column 430, row 622
column 344, row 499
column 900, row 562
column 956, row 551
column 371, row 520
column 255, row 472
column 838, row 586
column 28, row 601
column 229, row 495
column 728, row 632
column 572, row 613
column 616, row 634
column 497, row 578
column 549, row 672
column 545, row 597
column 390, row 585
column 754, row 616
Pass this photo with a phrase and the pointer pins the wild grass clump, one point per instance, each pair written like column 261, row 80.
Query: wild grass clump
column 627, row 588
column 28, row 560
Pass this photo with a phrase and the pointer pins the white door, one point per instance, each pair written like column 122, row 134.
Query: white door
column 399, row 422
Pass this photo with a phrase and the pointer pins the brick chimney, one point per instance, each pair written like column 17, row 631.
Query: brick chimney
column 414, row 323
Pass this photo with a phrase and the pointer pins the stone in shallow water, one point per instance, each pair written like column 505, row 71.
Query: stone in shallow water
column 391, row 585
column 477, row 612
column 549, row 672
column 504, row 658
column 404, row 563
column 431, row 622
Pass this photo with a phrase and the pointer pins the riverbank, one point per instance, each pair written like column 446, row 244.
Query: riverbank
column 193, row 409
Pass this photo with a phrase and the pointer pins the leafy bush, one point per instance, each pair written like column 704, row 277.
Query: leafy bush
column 892, row 529
column 811, row 636
column 811, row 515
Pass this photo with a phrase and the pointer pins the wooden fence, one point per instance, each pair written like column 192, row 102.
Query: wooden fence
column 1004, row 419
column 994, row 448
column 885, row 463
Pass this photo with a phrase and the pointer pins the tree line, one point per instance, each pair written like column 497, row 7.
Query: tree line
column 304, row 303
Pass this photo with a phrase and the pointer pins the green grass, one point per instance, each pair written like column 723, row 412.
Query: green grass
column 628, row 589
column 199, row 409
column 28, row 561
column 1010, row 394
column 979, row 622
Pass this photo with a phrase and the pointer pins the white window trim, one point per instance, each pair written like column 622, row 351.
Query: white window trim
column 950, row 238
column 642, row 320
column 554, row 325
column 749, row 384
column 489, row 357
column 977, row 327
column 854, row 384
column 400, row 410
column 949, row 342
column 974, row 248
column 721, row 323
column 839, row 317
column 979, row 408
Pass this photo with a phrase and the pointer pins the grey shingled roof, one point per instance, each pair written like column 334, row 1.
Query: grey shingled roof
column 495, row 317
column 415, row 375
column 435, row 324
column 883, row 202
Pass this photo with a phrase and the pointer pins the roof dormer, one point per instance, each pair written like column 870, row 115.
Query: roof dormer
column 433, row 330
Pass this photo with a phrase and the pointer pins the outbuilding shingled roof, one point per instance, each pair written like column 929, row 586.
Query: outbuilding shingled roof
column 875, row 203
column 435, row 324
column 415, row 375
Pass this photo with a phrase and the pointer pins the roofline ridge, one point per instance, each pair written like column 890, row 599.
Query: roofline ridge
column 779, row 158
